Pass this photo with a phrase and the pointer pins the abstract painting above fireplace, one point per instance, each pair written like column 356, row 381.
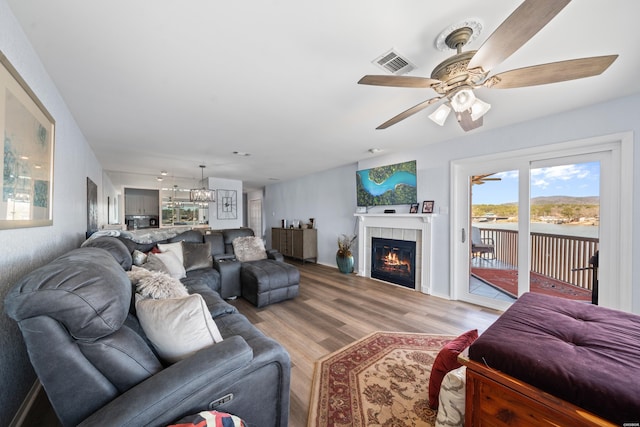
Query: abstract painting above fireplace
column 394, row 261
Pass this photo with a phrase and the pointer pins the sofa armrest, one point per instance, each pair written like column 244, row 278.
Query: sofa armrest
column 229, row 277
column 274, row 254
column 224, row 257
column 186, row 387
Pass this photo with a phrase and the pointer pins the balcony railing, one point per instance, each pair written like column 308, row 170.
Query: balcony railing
column 560, row 257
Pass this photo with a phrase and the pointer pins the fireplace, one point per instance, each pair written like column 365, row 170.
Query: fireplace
column 394, row 261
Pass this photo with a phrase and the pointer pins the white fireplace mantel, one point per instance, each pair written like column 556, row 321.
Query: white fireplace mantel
column 419, row 225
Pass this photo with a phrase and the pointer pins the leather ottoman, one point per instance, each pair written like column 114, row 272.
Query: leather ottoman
column 267, row 281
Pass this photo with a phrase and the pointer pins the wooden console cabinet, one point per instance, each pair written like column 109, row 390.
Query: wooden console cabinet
column 299, row 243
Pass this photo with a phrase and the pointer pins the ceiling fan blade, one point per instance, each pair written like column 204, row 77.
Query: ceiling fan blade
column 410, row 112
column 398, row 81
column 529, row 18
column 466, row 123
column 551, row 73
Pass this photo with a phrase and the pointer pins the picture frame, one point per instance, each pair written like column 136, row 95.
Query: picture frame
column 28, row 152
column 427, row 206
column 414, row 208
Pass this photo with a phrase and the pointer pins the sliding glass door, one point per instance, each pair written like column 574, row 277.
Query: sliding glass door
column 538, row 222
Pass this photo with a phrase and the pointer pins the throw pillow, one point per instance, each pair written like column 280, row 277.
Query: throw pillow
column 196, row 255
column 249, row 248
column 210, row 419
column 173, row 264
column 155, row 264
column 447, row 360
column 177, row 327
column 175, row 248
column 154, row 284
column 139, row 257
column 451, row 409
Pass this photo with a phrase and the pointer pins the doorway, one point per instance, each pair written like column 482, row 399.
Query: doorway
column 532, row 221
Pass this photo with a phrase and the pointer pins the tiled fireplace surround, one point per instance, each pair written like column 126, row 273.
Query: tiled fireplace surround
column 412, row 227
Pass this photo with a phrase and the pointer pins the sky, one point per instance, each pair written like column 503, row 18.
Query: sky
column 577, row 180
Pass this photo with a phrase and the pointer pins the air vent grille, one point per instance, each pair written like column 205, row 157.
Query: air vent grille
column 394, row 63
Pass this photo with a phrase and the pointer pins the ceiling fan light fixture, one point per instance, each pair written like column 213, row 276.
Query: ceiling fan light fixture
column 202, row 195
column 439, row 116
column 462, row 100
column 479, row 109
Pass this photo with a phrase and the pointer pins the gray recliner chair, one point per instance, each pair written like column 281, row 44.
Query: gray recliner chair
column 97, row 367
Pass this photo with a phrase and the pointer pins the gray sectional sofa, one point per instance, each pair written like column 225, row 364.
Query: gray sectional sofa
column 85, row 340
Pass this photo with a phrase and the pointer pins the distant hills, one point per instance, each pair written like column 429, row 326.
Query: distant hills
column 563, row 200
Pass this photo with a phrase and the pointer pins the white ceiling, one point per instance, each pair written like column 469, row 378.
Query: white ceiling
column 168, row 85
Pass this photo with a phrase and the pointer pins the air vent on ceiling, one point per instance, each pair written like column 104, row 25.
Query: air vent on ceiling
column 394, row 63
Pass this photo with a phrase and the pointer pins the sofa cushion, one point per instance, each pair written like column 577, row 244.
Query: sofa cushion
column 177, row 327
column 216, row 239
column 447, row 360
column 154, row 284
column 196, row 255
column 85, row 289
column 249, row 248
column 155, row 264
column 193, row 236
column 115, row 247
column 175, row 248
column 173, row 264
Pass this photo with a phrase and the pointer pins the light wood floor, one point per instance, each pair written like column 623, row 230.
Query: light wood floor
column 334, row 310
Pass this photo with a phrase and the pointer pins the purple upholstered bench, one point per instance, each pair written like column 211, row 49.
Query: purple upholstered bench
column 584, row 354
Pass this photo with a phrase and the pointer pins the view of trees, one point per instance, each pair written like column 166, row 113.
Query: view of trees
column 565, row 210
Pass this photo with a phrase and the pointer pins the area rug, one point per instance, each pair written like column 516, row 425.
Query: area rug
column 380, row 380
column 507, row 281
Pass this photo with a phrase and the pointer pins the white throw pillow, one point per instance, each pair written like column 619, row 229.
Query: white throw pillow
column 249, row 248
column 177, row 327
column 452, row 399
column 176, row 248
column 173, row 264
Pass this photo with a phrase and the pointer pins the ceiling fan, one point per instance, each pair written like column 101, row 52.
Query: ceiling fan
column 455, row 78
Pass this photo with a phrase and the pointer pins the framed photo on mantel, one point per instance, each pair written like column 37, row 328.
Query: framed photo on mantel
column 27, row 167
column 413, row 208
column 427, row 206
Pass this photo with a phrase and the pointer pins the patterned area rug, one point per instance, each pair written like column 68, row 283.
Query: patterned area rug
column 380, row 380
column 507, row 281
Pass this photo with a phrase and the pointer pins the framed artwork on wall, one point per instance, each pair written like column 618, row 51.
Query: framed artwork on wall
column 27, row 166
column 227, row 204
column 427, row 206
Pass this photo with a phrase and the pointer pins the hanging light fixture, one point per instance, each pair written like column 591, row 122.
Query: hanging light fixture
column 202, row 195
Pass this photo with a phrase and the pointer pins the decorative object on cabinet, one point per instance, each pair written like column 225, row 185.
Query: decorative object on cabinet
column 27, row 167
column 298, row 243
column 427, row 206
column 203, row 194
column 227, row 204
column 413, row 208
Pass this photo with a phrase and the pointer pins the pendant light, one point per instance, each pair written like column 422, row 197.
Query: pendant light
column 202, row 195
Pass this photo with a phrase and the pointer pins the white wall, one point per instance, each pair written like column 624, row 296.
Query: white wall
column 329, row 197
column 332, row 193
column 22, row 250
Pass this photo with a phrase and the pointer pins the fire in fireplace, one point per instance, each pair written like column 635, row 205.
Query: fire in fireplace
column 394, row 261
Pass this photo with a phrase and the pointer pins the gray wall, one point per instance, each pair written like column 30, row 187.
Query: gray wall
column 330, row 195
column 22, row 250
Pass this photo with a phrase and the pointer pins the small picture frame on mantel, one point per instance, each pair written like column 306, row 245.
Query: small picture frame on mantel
column 427, row 206
column 413, row 208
